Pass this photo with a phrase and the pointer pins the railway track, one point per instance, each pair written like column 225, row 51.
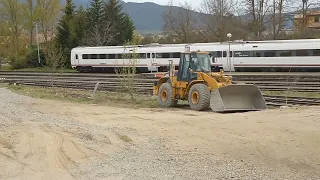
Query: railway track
column 143, row 83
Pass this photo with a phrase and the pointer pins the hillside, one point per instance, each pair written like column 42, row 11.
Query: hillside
column 147, row 16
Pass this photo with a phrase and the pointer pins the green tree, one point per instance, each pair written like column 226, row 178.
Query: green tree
column 95, row 13
column 100, row 30
column 66, row 36
column 11, row 12
column 127, row 28
column 81, row 25
column 47, row 12
column 124, row 26
column 30, row 13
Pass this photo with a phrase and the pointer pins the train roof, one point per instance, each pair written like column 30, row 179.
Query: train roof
column 155, row 47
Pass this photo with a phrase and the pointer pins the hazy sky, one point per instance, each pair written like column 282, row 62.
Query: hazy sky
column 165, row 2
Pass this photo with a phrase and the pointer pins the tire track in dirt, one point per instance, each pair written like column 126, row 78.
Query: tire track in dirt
column 55, row 159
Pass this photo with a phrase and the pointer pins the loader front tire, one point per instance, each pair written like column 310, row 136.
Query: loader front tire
column 199, row 97
column 165, row 96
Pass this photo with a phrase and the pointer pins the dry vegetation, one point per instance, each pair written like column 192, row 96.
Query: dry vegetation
column 67, row 140
column 292, row 94
column 84, row 96
column 244, row 19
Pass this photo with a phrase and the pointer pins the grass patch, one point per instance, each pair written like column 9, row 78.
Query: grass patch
column 272, row 107
column 125, row 138
column 5, row 68
column 86, row 136
column 83, row 96
column 3, row 85
column 292, row 94
column 6, row 144
column 38, row 69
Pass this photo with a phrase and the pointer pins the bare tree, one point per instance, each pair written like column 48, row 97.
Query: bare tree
column 257, row 10
column 11, row 11
column 126, row 73
column 304, row 9
column 277, row 18
column 101, row 35
column 30, row 13
column 55, row 59
column 219, row 20
column 47, row 11
column 180, row 22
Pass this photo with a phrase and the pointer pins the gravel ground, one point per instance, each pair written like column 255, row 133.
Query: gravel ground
column 34, row 144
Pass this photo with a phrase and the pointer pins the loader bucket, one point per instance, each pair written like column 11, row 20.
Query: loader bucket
column 237, row 98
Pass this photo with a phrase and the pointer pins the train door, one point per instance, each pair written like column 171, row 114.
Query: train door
column 153, row 63
column 77, row 61
column 227, row 60
column 231, row 61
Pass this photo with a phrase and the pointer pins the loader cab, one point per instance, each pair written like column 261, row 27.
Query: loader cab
column 191, row 63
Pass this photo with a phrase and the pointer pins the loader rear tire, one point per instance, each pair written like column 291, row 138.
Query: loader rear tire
column 199, row 97
column 165, row 96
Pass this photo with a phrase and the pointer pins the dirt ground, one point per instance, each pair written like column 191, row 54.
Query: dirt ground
column 276, row 138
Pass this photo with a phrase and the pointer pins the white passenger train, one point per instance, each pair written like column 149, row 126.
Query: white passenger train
column 276, row 55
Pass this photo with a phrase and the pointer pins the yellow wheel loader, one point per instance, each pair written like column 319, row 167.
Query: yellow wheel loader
column 203, row 89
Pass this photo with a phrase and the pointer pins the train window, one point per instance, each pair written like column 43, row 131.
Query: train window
column 242, row 54
column 256, row 54
column 76, row 56
column 159, row 55
column 224, row 54
column 303, row 52
column 219, row 54
column 142, row 55
column 285, row 53
column 316, row 52
column 148, row 54
column 85, row 56
column 165, row 55
column 102, row 56
column 176, row 55
column 213, row 54
column 153, row 55
column 112, row 56
column 94, row 56
column 125, row 56
column 269, row 54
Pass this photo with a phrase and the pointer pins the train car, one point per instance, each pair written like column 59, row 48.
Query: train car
column 273, row 55
column 265, row 56
column 300, row 56
column 106, row 59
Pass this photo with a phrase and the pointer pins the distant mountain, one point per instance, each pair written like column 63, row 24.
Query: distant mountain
column 147, row 16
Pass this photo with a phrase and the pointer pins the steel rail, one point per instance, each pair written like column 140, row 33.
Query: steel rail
column 143, row 84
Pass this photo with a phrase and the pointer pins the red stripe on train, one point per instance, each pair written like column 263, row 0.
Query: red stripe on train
column 244, row 65
column 127, row 64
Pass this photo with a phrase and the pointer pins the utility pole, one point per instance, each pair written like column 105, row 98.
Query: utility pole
column 37, row 42
column 229, row 35
column 274, row 19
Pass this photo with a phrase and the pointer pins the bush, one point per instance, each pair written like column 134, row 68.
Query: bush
column 18, row 62
column 32, row 57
